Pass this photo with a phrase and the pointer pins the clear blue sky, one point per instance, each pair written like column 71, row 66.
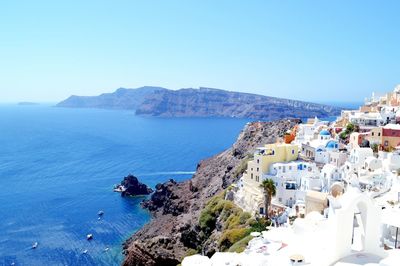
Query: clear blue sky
column 308, row 50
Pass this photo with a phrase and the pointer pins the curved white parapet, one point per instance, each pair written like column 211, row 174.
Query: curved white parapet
column 196, row 260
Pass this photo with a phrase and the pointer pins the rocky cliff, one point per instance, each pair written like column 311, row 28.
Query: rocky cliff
column 203, row 102
column 176, row 206
column 206, row 102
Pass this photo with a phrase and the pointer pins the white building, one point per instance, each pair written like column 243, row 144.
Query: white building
column 388, row 114
column 390, row 160
column 308, row 131
column 291, row 180
column 366, row 119
column 357, row 159
column 329, row 175
column 351, row 235
column 337, row 158
column 319, row 148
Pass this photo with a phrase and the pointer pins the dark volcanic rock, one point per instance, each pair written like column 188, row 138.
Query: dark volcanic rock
column 176, row 206
column 134, row 187
column 165, row 199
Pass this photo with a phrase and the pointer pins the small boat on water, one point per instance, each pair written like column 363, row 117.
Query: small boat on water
column 35, row 245
column 119, row 188
column 89, row 237
column 106, row 249
column 100, row 213
column 85, row 251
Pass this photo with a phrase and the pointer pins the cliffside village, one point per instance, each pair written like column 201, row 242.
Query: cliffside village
column 337, row 192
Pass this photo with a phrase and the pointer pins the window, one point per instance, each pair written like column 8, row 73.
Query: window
column 292, row 151
column 261, row 210
column 258, row 160
column 379, row 134
column 386, row 143
column 290, row 167
column 251, row 176
column 257, row 178
column 373, row 134
column 258, row 169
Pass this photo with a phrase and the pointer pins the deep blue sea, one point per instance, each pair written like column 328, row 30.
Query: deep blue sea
column 58, row 167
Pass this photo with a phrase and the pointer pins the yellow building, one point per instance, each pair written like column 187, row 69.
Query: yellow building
column 252, row 198
column 375, row 136
column 267, row 155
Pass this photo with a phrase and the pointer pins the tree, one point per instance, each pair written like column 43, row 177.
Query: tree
column 269, row 189
column 375, row 147
column 350, row 128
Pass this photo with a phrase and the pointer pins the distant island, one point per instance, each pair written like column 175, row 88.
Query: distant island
column 202, row 102
column 27, row 103
column 129, row 99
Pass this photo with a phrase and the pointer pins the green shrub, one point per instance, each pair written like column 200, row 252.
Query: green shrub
column 231, row 236
column 232, row 222
column 343, row 135
column 216, row 207
column 375, row 147
column 191, row 252
column 350, row 127
column 259, row 224
column 207, row 221
column 244, row 217
column 236, row 224
column 240, row 245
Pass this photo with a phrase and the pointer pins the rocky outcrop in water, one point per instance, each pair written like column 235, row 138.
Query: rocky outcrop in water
column 132, row 187
column 176, row 206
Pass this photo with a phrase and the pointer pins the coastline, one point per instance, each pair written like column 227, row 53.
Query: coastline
column 172, row 228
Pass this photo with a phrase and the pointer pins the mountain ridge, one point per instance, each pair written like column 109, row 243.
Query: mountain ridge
column 122, row 98
column 201, row 102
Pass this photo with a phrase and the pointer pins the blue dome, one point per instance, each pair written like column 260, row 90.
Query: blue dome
column 324, row 133
column 332, row 145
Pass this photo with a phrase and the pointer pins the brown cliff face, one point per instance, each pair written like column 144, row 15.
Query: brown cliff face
column 206, row 102
column 176, row 206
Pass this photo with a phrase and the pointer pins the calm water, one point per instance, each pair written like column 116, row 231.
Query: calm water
column 58, row 166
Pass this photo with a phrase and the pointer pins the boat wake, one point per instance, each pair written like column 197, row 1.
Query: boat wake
column 169, row 173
